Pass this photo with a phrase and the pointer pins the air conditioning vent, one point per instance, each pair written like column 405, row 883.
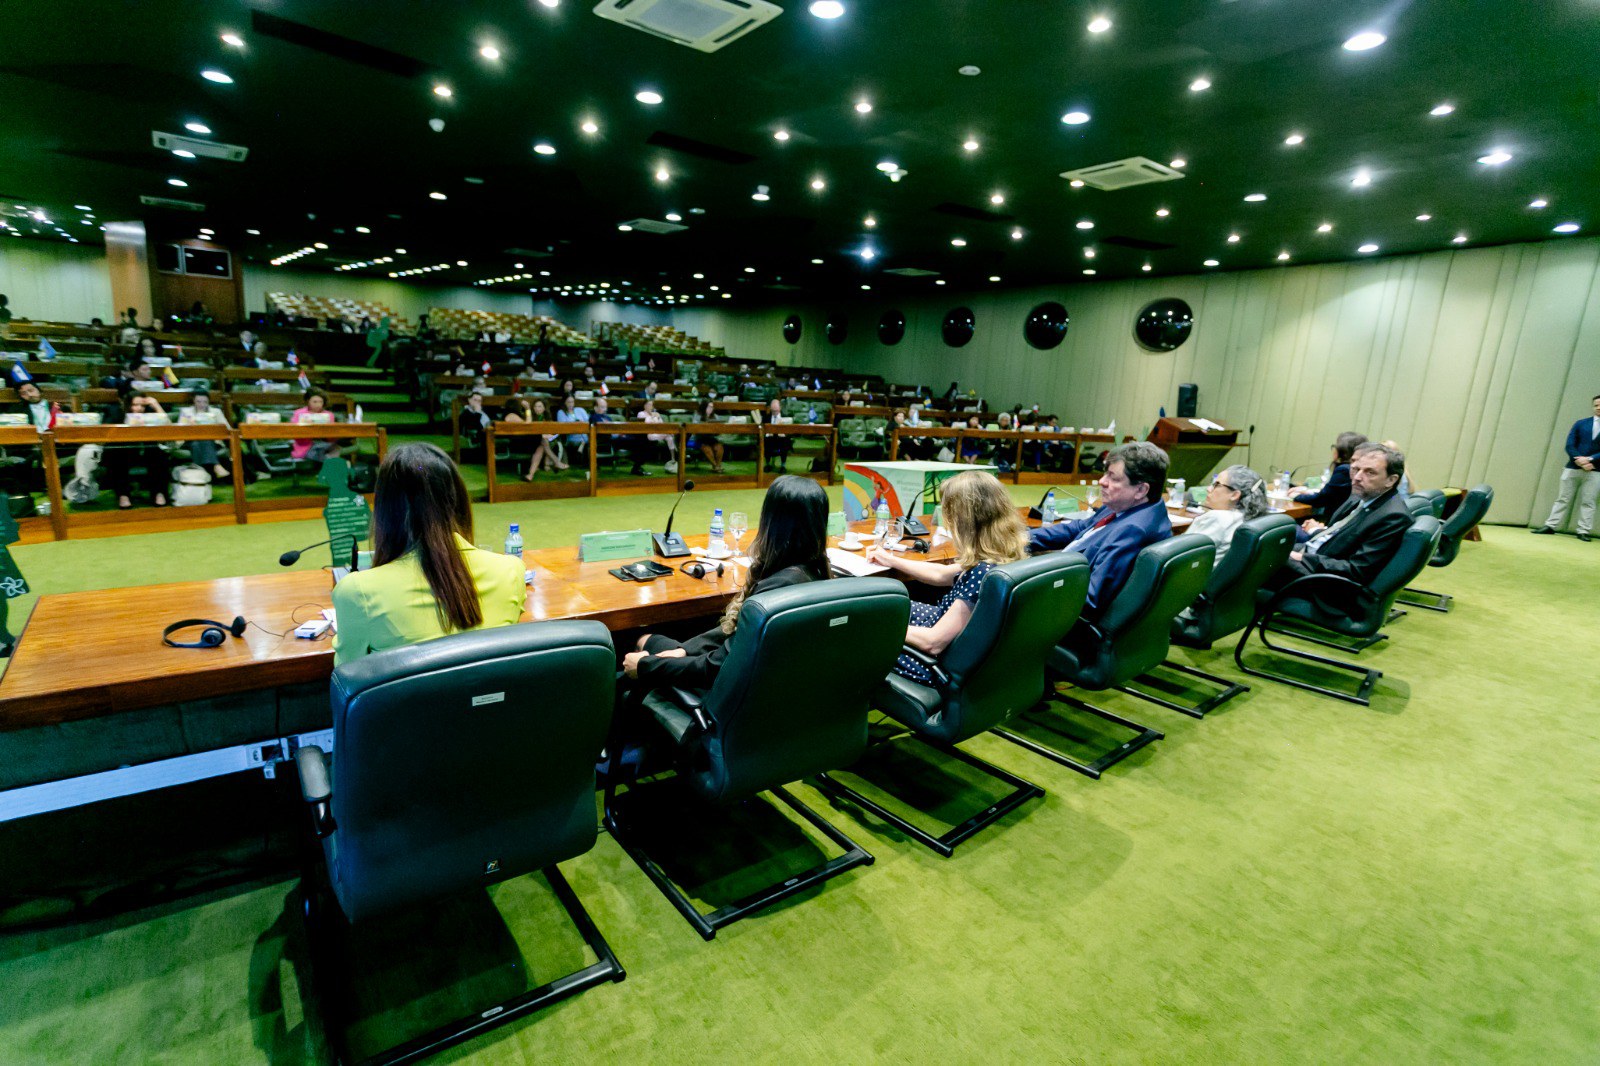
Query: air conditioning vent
column 173, row 142
column 175, row 205
column 650, row 225
column 913, row 272
column 704, row 25
column 1123, row 174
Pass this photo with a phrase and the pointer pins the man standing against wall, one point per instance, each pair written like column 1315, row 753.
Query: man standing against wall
column 1581, row 476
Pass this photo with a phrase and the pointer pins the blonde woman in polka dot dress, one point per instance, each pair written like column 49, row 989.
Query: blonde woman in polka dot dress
column 986, row 531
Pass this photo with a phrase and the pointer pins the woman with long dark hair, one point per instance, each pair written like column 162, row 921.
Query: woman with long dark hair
column 790, row 547
column 428, row 579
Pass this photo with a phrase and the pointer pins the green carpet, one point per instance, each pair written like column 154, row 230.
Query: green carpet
column 1292, row 879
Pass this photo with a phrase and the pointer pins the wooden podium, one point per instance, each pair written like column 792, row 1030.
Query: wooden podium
column 1192, row 452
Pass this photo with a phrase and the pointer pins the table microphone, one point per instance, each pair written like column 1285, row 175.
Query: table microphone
column 1038, row 512
column 290, row 558
column 670, row 545
column 912, row 525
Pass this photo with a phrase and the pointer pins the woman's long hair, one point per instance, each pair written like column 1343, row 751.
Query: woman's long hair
column 982, row 520
column 793, row 531
column 420, row 505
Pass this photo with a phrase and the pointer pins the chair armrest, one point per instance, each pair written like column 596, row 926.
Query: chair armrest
column 316, row 788
column 1301, row 582
column 692, row 702
column 931, row 664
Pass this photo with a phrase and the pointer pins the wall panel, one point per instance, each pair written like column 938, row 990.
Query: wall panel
column 55, row 281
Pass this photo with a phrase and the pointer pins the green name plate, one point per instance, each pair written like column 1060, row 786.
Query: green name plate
column 604, row 547
column 836, row 524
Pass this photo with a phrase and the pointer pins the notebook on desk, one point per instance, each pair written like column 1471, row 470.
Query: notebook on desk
column 852, row 565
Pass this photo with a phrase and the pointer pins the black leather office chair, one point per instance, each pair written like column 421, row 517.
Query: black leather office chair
column 789, row 702
column 1259, row 547
column 462, row 762
column 1369, row 608
column 1474, row 507
column 993, row 669
column 1130, row 637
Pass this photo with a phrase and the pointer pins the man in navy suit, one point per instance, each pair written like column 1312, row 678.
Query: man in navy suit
column 1131, row 516
column 1581, row 477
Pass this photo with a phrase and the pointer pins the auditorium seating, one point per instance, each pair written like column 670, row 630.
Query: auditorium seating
column 458, row 324
column 322, row 308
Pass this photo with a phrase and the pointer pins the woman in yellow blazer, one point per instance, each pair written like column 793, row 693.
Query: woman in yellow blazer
column 429, row 578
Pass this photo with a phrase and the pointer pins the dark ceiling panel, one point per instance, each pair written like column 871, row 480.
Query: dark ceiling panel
column 700, row 149
column 332, row 44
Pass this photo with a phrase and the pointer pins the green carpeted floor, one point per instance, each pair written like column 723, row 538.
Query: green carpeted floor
column 1292, row 879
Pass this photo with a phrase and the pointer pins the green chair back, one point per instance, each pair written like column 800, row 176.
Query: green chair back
column 1259, row 547
column 1472, row 511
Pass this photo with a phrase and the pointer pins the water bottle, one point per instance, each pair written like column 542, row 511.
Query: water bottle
column 717, row 546
column 1180, row 493
column 880, row 525
column 1049, row 508
column 811, row 415
column 1283, row 482
column 514, row 542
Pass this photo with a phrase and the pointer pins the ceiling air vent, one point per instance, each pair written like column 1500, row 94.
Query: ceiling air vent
column 1123, row 174
column 650, row 225
column 704, row 25
column 173, row 142
column 913, row 272
column 176, row 205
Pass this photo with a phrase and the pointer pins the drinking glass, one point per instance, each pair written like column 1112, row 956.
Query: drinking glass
column 1092, row 497
column 893, row 534
column 738, row 522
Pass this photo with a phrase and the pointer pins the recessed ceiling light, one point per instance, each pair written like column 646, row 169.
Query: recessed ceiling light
column 443, row 90
column 1361, row 179
column 1146, row 267
column 1199, row 85
column 489, row 52
column 1326, row 227
column 1233, row 238
column 727, row 296
column 1075, row 183
column 780, row 135
column 1210, row 263
column 1162, row 212
column 1537, row 204
column 699, row 276
column 647, row 96
column 1283, row 257
column 1075, row 118
column 869, row 222
column 461, row 262
column 320, row 246
column 997, row 199
column 957, row 242
column 1495, row 158
column 1099, row 24
column 1178, row 164
column 867, row 255
column 940, row 281
column 590, row 127
column 864, row 106
column 436, row 125
column 662, row 174
column 1016, row 235
column 1089, row 272
column 437, row 196
column 1084, row 223
column 673, row 216
column 197, row 127
column 363, row 229
column 1088, row 253
column 253, row 232
column 1567, row 227
column 1294, row 139
column 183, row 153
column 761, row 195
column 1255, row 198
column 816, row 262
column 968, row 70
column 217, row 76
column 970, row 145
column 1362, row 42
column 178, row 183
column 1424, row 218
column 233, row 40
column 1460, row 238
column 1442, row 109
column 827, row 9
column 1367, row 249
column 888, row 166
column 994, row 277
column 516, row 266
column 749, row 270
column 818, row 184
column 544, row 149
column 207, row 231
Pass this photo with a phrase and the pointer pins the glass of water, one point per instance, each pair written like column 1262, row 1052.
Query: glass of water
column 893, row 534
column 1092, row 497
column 738, row 523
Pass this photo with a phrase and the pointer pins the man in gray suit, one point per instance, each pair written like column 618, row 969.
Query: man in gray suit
column 1581, row 476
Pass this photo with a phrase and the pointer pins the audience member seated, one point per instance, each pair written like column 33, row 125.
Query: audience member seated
column 777, row 447
column 544, row 451
column 34, row 405
column 1364, row 533
column 985, row 531
column 972, row 447
column 658, row 443
column 709, row 445
column 790, row 548
column 120, row 459
column 316, row 405
column 428, row 578
column 577, row 444
column 1131, row 516
column 472, row 425
column 205, row 453
column 1328, row 499
column 1236, row 495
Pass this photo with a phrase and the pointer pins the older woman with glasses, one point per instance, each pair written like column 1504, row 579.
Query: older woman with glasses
column 1236, row 494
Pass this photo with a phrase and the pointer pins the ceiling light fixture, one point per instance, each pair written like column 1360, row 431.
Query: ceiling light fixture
column 827, row 9
column 1362, row 179
column 1089, row 272
column 761, row 195
column 178, row 183
column 957, row 242
column 489, row 52
column 864, row 106
column 1084, row 223
column 1294, row 139
column 968, row 70
column 970, row 145
column 816, row 262
column 1364, row 41
column 1442, row 110
column 662, row 174
column 1233, row 238
column 363, row 229
column 647, row 96
column 1099, row 24
column 320, row 246
column 1199, row 85
column 1145, row 268
column 543, row 148
column 1088, row 253
column 217, row 76
column 1326, row 227
column 939, row 281
column 1367, row 249
column 780, row 135
column 233, row 40
column 1211, row 263
column 1178, row 164
column 1016, row 235
column 183, row 153
column 1495, row 158
column 1424, row 218
column 1162, row 212
column 550, row 3
column 994, row 277
column 1567, row 227
column 253, row 232
column 997, row 199
column 197, row 127
column 1537, row 204
column 869, row 222
column 1460, row 238
column 867, row 255
column 1255, row 197
column 1075, row 183
column 888, row 166
column 590, row 127
column 673, row 216
column 444, row 91
column 818, row 184
column 1283, row 257
column 1075, row 118
column 437, row 196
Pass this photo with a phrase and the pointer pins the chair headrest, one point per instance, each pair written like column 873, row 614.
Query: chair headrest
column 1416, row 548
column 1472, row 510
column 998, row 603
column 463, row 649
column 1175, row 569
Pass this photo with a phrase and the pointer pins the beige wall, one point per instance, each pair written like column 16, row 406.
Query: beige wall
column 56, row 281
column 1476, row 361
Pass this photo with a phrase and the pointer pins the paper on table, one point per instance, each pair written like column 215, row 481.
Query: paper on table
column 1208, row 425
column 853, row 565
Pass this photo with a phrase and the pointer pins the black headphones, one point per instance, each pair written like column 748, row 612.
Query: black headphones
column 701, row 570
column 211, row 636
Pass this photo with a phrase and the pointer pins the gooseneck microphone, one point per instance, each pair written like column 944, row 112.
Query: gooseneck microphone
column 1038, row 510
column 912, row 524
column 290, row 558
column 670, row 545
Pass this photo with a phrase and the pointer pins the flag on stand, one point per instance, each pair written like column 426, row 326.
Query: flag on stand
column 55, row 412
column 628, row 374
column 47, row 351
column 552, row 371
column 303, row 381
column 603, row 390
column 19, row 375
column 487, row 366
column 292, row 359
column 168, row 378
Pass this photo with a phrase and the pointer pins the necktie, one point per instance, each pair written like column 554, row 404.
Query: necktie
column 1322, row 536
